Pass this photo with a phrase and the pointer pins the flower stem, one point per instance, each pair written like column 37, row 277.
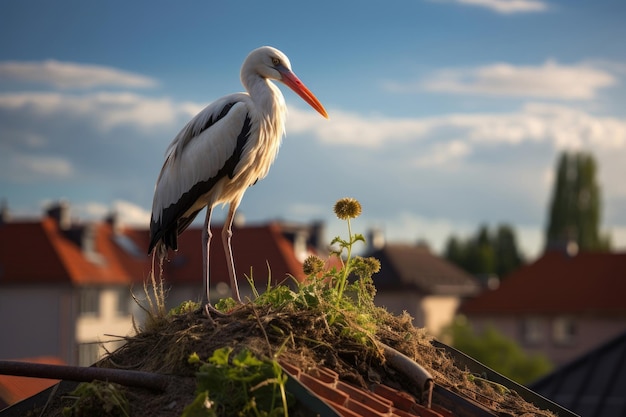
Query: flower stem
column 346, row 269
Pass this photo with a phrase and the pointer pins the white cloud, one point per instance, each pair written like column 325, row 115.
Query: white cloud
column 459, row 151
column 105, row 110
column 346, row 128
column 128, row 213
column 131, row 214
column 71, row 75
column 23, row 168
column 507, row 6
column 92, row 210
column 512, row 151
column 407, row 227
column 564, row 127
column 443, row 154
column 548, row 81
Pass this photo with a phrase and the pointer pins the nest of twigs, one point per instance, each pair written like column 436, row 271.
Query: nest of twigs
column 302, row 337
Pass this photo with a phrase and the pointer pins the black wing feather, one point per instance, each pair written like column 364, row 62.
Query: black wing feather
column 172, row 224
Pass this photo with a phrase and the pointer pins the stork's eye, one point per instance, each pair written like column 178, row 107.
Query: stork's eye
column 275, row 61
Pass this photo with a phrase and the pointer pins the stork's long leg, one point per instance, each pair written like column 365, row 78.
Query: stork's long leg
column 206, row 243
column 227, row 233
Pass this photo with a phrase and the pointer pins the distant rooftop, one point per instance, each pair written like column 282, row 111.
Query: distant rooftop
column 414, row 266
column 594, row 385
column 559, row 283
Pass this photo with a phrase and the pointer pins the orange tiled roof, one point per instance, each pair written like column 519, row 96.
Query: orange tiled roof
column 17, row 388
column 25, row 248
column 40, row 252
column 589, row 282
column 254, row 247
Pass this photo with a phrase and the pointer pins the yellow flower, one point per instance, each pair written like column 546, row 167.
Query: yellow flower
column 347, row 208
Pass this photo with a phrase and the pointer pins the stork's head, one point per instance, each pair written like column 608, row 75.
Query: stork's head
column 270, row 63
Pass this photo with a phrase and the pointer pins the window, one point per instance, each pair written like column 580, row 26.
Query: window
column 89, row 303
column 88, row 353
column 563, row 331
column 532, row 333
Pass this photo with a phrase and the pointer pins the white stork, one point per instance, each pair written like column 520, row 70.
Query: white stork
column 223, row 150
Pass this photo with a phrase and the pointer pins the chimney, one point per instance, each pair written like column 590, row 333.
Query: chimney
column 84, row 236
column 113, row 220
column 317, row 237
column 60, row 212
column 300, row 244
column 375, row 239
column 5, row 216
column 88, row 238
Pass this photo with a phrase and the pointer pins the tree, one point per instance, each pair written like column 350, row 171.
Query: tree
column 455, row 251
column 506, row 253
column 486, row 253
column 576, row 204
column 498, row 352
column 481, row 254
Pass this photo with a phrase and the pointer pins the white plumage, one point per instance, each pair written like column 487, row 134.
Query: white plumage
column 223, row 150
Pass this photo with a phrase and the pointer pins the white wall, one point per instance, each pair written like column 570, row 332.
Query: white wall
column 439, row 311
column 110, row 325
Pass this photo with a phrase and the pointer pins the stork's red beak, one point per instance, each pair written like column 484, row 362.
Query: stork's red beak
column 292, row 81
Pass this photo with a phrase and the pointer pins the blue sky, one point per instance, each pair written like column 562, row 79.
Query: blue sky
column 444, row 114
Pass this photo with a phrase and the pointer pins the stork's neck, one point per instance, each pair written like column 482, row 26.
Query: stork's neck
column 269, row 101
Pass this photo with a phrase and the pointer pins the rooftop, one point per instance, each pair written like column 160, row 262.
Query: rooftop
column 104, row 253
column 330, row 370
column 16, row 388
column 558, row 283
column 405, row 266
column 592, row 385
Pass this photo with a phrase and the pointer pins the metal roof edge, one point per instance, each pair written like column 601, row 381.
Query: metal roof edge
column 38, row 400
column 461, row 359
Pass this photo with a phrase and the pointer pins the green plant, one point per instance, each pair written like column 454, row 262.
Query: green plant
column 326, row 286
column 97, row 398
column 346, row 209
column 238, row 384
column 348, row 305
column 498, row 352
column 184, row 308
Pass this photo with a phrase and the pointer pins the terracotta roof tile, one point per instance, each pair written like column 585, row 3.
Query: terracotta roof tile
column 590, row 282
column 103, row 269
column 24, row 248
column 254, row 248
column 16, row 388
column 348, row 400
column 39, row 252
